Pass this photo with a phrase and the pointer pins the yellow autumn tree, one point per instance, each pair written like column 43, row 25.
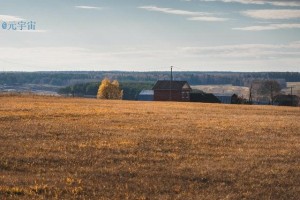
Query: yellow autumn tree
column 116, row 92
column 109, row 90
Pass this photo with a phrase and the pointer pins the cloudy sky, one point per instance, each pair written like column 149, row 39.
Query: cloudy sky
column 151, row 35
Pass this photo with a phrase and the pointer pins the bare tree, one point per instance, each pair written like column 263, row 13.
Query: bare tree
column 269, row 88
column 261, row 89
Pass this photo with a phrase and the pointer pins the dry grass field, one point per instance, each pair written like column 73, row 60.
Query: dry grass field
column 60, row 148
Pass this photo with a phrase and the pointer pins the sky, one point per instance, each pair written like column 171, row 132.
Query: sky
column 150, row 35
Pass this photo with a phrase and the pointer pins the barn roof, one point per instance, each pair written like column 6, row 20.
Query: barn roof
column 147, row 92
column 166, row 85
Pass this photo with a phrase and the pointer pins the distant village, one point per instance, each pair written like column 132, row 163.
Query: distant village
column 181, row 91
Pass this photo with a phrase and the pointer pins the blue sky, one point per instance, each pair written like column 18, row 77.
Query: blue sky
column 151, row 35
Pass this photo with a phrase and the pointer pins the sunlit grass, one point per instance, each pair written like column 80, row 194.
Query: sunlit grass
column 83, row 148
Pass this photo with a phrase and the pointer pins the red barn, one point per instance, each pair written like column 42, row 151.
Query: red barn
column 172, row 91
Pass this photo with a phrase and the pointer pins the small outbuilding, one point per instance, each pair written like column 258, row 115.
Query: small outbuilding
column 200, row 96
column 227, row 98
column 146, row 95
column 287, row 100
column 224, row 98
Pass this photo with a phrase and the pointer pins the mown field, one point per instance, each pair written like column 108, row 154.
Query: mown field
column 60, row 148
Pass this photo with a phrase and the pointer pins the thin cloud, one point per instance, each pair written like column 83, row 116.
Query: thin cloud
column 89, row 7
column 268, row 27
column 10, row 18
column 173, row 11
column 208, row 19
column 76, row 58
column 284, row 3
column 272, row 14
column 291, row 3
column 239, row 1
column 193, row 16
column 260, row 51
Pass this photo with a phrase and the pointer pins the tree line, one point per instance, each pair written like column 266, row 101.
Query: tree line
column 130, row 90
column 194, row 78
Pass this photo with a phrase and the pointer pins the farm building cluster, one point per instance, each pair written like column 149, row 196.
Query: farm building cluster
column 181, row 91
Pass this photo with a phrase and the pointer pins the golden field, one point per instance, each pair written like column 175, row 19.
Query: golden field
column 64, row 148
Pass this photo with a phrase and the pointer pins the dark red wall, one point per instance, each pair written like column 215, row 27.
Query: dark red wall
column 164, row 95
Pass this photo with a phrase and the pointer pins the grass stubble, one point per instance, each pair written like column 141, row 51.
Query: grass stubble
column 65, row 148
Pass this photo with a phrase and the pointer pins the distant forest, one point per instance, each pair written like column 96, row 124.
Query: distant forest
column 131, row 90
column 194, row 78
